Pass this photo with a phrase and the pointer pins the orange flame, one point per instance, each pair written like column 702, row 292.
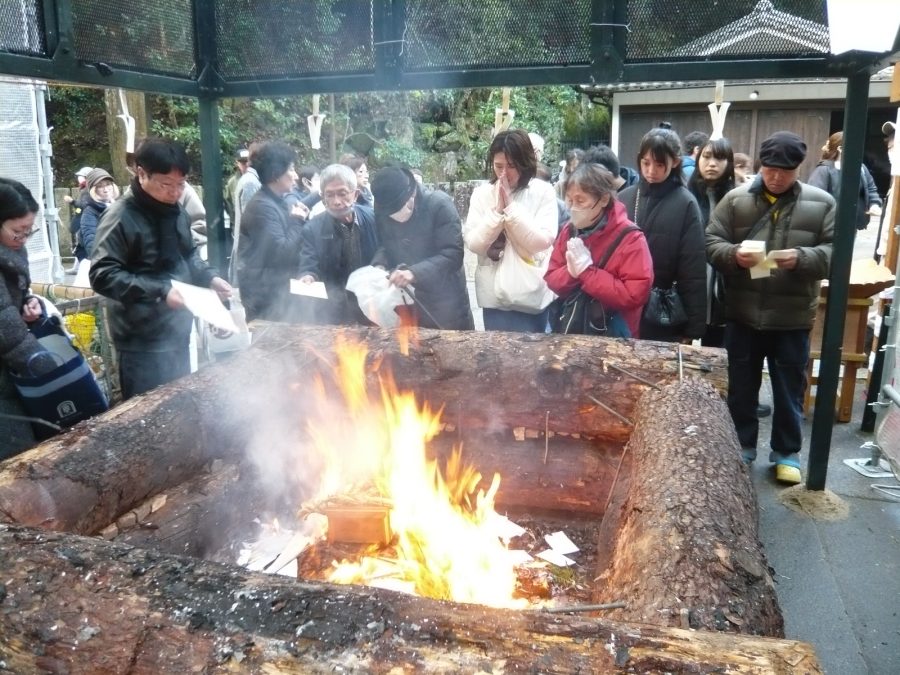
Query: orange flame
column 446, row 545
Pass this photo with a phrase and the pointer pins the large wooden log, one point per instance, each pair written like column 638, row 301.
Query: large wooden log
column 687, row 551
column 497, row 380
column 80, row 605
column 84, row 479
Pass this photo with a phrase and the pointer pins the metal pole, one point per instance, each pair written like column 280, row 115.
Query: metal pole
column 212, row 182
column 839, row 279
column 51, row 213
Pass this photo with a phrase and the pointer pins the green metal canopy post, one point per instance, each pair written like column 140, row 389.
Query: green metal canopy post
column 211, row 86
column 839, row 278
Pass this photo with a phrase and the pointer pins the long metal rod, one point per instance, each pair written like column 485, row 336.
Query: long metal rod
column 611, row 411
column 632, row 375
column 839, row 279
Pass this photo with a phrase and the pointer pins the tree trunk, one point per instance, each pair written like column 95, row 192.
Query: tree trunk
column 74, row 604
column 115, row 128
column 487, row 382
column 687, row 551
column 497, row 380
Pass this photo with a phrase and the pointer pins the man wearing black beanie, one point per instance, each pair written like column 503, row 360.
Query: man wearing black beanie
column 769, row 310
column 422, row 248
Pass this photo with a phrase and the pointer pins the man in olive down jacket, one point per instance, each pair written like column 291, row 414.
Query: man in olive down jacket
column 771, row 316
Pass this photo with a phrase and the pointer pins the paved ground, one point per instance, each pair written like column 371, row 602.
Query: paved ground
column 838, row 582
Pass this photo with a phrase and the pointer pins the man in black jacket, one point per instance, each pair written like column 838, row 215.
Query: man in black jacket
column 336, row 243
column 422, row 248
column 144, row 243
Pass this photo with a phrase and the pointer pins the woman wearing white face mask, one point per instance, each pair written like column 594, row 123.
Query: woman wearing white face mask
column 421, row 245
column 599, row 225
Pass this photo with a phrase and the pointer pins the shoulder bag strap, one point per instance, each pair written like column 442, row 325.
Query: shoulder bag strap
column 615, row 244
column 766, row 218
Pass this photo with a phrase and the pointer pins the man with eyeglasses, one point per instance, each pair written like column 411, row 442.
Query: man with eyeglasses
column 336, row 243
column 144, row 243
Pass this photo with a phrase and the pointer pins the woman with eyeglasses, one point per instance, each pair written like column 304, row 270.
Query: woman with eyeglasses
column 19, row 349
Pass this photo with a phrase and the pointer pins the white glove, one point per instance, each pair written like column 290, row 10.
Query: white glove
column 578, row 258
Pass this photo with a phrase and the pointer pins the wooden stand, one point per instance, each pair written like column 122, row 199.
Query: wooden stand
column 853, row 354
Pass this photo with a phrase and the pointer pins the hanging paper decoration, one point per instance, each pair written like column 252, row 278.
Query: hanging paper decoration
column 718, row 111
column 128, row 120
column 314, row 123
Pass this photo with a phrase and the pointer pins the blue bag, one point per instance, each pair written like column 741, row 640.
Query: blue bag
column 66, row 395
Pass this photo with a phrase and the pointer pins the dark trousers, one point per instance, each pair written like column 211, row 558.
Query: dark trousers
column 515, row 322
column 140, row 372
column 787, row 352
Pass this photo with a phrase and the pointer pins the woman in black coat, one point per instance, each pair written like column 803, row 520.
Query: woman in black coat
column 19, row 349
column 269, row 247
column 711, row 180
column 827, row 175
column 668, row 215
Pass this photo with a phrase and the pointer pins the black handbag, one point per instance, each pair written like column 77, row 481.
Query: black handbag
column 665, row 308
column 582, row 314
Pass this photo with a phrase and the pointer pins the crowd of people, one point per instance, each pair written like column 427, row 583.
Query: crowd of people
column 657, row 252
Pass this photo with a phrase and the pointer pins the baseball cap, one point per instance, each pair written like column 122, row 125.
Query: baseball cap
column 888, row 128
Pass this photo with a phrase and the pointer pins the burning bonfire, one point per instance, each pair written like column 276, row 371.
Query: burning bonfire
column 397, row 517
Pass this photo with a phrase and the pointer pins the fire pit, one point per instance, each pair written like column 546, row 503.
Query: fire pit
column 596, row 437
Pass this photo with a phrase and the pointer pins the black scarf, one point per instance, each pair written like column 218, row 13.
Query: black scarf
column 165, row 217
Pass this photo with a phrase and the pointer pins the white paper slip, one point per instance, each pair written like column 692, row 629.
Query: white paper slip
column 560, row 543
column 504, row 528
column 314, row 290
column 555, row 558
column 204, row 303
column 519, row 557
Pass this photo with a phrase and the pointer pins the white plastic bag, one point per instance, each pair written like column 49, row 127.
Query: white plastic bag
column 519, row 284
column 81, row 276
column 376, row 295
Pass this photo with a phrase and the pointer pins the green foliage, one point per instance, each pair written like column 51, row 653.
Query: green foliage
column 397, row 151
column 77, row 117
column 407, row 126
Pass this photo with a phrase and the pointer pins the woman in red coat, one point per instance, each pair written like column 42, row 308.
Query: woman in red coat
column 597, row 221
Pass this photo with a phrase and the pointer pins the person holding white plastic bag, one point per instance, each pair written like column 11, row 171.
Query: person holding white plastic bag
column 422, row 249
column 514, row 214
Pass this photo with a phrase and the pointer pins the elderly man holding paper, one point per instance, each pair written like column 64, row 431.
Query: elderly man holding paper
column 143, row 246
column 771, row 239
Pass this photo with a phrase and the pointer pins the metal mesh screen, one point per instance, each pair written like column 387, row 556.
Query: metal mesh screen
column 260, row 38
column 21, row 161
column 22, row 27
column 152, row 36
column 477, row 33
column 662, row 30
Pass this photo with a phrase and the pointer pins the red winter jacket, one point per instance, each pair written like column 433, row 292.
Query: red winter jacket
column 623, row 284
